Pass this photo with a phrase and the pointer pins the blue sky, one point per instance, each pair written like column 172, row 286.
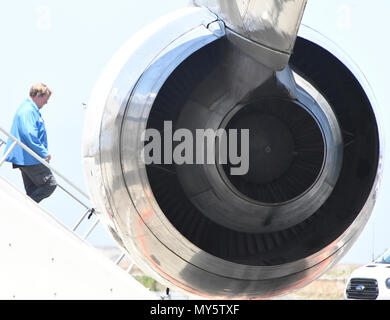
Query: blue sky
column 66, row 44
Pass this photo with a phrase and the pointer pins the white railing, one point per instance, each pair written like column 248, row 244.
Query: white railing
column 87, row 214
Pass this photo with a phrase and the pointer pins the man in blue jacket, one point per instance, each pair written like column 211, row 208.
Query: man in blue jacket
column 29, row 128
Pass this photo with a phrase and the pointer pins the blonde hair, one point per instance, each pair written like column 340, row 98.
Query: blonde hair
column 39, row 89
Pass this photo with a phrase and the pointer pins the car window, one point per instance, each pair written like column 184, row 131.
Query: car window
column 385, row 258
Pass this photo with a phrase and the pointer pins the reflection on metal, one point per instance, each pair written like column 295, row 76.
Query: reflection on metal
column 264, row 29
column 196, row 227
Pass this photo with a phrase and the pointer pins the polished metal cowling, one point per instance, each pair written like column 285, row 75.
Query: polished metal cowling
column 232, row 65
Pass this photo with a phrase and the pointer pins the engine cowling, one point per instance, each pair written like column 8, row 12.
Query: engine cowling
column 313, row 160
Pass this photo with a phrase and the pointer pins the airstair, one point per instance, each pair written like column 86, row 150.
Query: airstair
column 43, row 258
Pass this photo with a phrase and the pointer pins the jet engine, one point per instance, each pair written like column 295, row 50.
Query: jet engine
column 281, row 201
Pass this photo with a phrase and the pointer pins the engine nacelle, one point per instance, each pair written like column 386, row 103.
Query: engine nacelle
column 305, row 184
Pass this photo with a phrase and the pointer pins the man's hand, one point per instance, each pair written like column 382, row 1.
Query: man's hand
column 48, row 158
